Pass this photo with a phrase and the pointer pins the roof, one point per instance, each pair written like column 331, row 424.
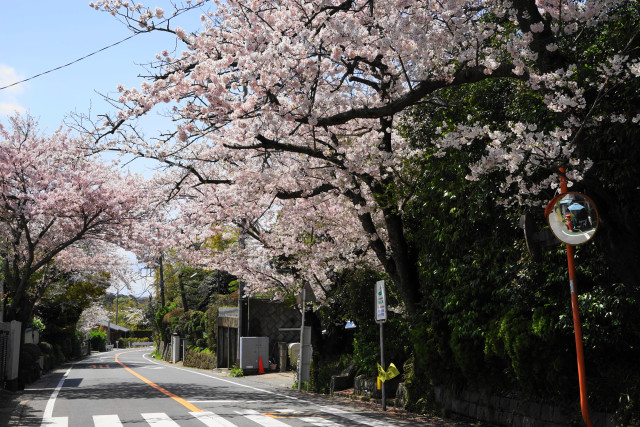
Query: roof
column 228, row 312
column 113, row 326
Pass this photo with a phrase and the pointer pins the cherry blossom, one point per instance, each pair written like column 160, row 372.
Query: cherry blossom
column 286, row 117
column 58, row 204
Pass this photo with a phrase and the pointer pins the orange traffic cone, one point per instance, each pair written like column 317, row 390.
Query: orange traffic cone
column 260, row 366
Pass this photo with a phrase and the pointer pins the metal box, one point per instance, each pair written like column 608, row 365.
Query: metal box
column 251, row 350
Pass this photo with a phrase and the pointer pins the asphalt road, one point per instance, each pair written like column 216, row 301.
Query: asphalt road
column 129, row 388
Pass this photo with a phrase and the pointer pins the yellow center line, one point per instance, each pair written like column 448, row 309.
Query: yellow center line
column 178, row 399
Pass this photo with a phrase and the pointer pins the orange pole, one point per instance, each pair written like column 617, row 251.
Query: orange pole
column 577, row 325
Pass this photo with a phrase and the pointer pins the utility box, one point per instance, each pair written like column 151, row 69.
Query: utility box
column 251, row 350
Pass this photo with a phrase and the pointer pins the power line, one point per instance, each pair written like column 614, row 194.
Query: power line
column 70, row 63
column 97, row 51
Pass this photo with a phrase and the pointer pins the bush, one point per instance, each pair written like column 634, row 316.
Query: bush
column 142, row 334
column 98, row 340
column 30, row 363
column 77, row 340
column 45, row 348
column 196, row 357
column 163, row 330
column 236, row 372
column 58, row 355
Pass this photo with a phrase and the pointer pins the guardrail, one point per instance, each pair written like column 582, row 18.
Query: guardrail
column 142, row 344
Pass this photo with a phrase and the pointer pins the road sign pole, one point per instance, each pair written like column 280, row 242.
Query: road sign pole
column 382, row 390
column 381, row 317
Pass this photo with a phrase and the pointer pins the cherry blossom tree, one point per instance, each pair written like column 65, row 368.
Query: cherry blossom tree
column 94, row 315
column 286, row 116
column 59, row 205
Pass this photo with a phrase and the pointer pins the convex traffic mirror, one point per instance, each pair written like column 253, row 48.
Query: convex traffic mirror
column 573, row 218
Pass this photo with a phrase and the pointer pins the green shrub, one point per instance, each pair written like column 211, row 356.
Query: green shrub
column 236, row 372
column 163, row 330
column 58, row 355
column 196, row 357
column 98, row 340
column 30, row 363
column 45, row 348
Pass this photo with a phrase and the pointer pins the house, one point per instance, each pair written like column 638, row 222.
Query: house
column 113, row 331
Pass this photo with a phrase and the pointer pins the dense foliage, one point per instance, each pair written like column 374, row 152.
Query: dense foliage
column 98, row 340
column 492, row 317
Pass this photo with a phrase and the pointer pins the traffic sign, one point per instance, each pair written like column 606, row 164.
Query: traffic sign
column 381, row 302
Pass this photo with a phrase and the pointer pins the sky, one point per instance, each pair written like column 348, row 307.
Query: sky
column 41, row 35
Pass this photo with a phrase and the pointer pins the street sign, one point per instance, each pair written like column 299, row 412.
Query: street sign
column 381, row 302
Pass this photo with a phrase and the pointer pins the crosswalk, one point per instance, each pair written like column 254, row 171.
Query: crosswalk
column 277, row 418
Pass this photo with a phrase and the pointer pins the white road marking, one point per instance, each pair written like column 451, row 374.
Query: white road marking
column 354, row 417
column 55, row 422
column 320, row 422
column 249, row 414
column 106, row 421
column 219, row 379
column 159, row 419
column 263, row 420
column 212, row 420
column 47, row 418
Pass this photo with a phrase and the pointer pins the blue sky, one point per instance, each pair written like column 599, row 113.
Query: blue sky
column 39, row 35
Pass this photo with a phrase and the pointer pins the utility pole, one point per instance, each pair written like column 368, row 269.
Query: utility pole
column 302, row 340
column 117, row 298
column 3, row 263
column 182, row 291
column 162, row 302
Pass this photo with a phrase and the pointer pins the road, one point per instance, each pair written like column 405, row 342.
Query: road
column 129, row 388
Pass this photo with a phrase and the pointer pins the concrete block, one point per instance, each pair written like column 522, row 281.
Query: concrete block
column 460, row 406
column 437, row 392
column 546, row 413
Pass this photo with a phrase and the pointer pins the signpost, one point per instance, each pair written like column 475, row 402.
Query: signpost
column 381, row 317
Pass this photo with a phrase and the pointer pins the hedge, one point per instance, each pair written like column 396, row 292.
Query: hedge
column 196, row 358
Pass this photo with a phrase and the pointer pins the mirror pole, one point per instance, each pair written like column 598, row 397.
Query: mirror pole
column 577, row 325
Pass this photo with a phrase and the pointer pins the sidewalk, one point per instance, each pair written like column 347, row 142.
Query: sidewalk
column 273, row 378
column 13, row 404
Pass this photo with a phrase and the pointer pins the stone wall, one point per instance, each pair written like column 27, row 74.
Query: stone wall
column 504, row 411
column 368, row 387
